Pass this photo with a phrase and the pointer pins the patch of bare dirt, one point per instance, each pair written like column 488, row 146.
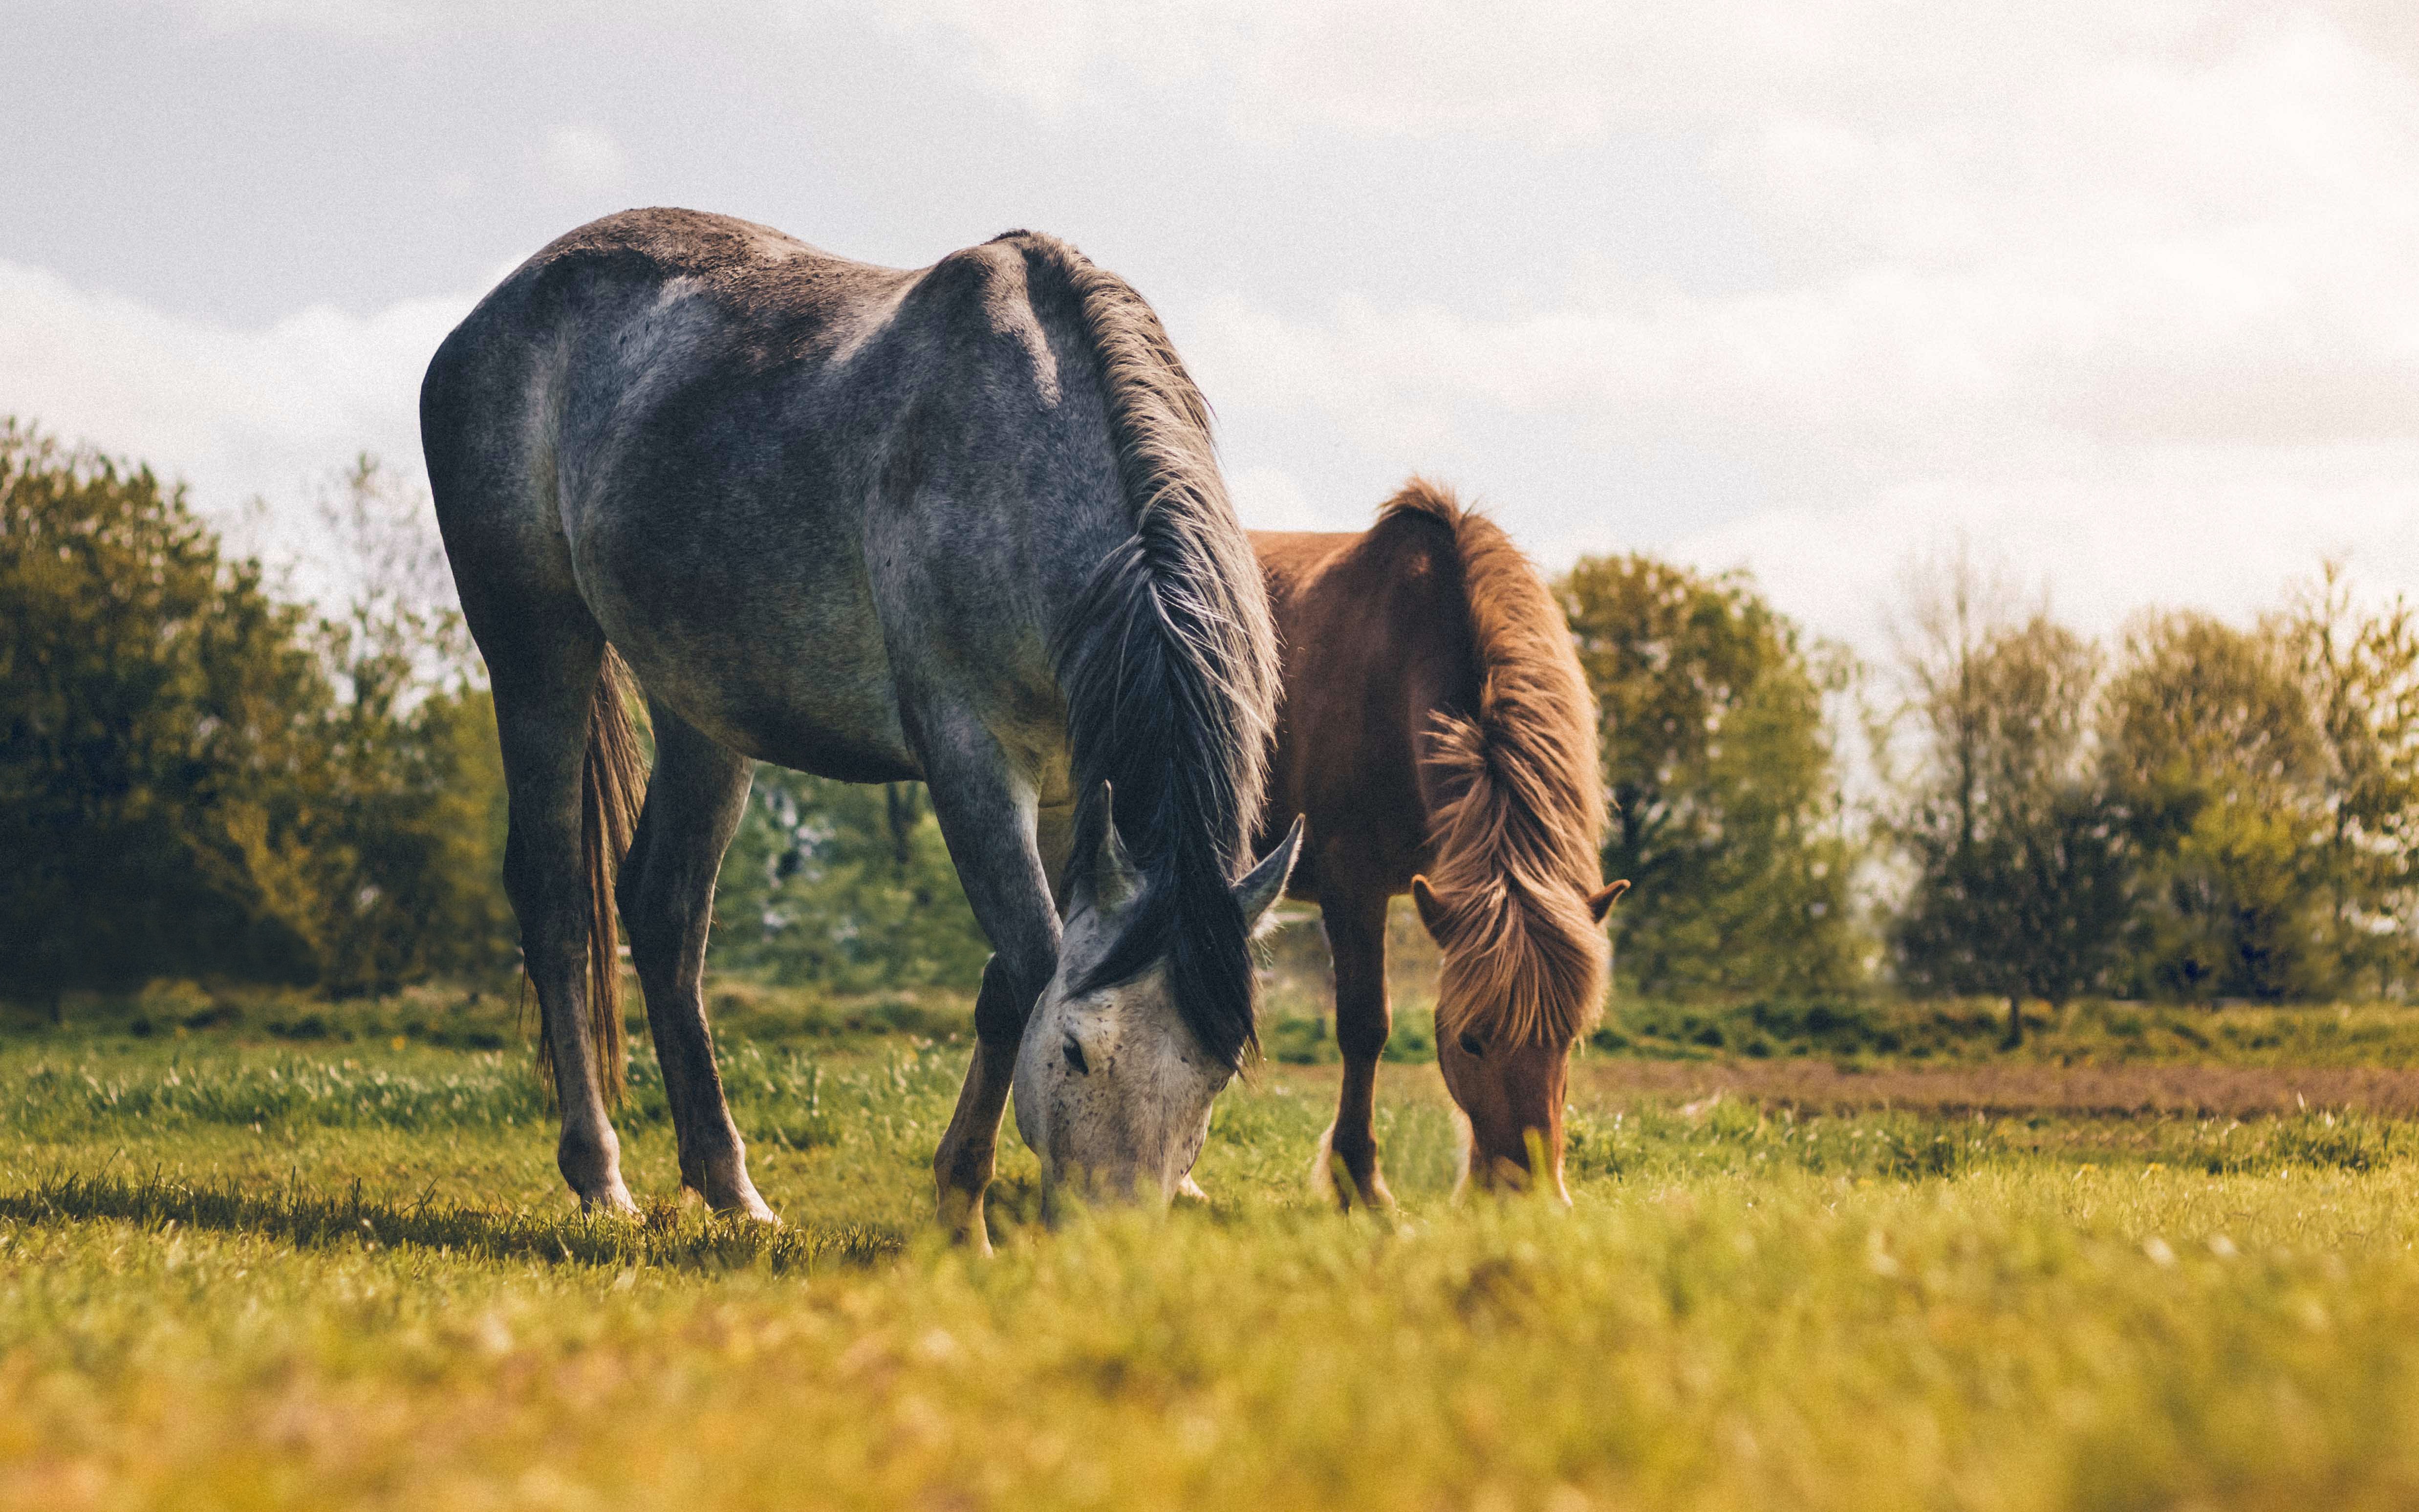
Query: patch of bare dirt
column 1818, row 1086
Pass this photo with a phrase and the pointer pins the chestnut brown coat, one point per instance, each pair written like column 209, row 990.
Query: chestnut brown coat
column 1438, row 737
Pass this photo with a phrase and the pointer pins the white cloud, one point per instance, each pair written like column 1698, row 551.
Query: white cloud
column 1884, row 367
column 2223, row 529
column 1270, row 499
column 393, row 18
column 2129, row 297
column 2144, row 430
column 2127, row 294
column 1549, row 73
column 359, row 18
column 583, row 160
column 1535, row 71
column 237, row 414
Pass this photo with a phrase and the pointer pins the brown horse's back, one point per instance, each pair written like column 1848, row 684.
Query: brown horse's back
column 1375, row 633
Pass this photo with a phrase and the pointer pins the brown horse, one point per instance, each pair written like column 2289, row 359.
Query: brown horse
column 1439, row 738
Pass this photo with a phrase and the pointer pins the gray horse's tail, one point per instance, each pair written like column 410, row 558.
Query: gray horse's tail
column 1168, row 659
column 612, row 783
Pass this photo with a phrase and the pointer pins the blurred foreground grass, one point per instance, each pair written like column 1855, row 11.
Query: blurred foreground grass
column 247, row 1270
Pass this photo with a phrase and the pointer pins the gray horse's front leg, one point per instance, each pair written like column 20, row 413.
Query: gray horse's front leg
column 968, row 1153
column 695, row 800
column 989, row 818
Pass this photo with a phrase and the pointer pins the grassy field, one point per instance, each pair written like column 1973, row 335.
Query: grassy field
column 265, row 1253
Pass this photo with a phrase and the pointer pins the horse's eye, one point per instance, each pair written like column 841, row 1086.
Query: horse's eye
column 1471, row 1045
column 1074, row 1053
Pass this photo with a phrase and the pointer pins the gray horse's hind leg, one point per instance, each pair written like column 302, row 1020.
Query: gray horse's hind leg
column 543, row 691
column 695, row 800
column 988, row 816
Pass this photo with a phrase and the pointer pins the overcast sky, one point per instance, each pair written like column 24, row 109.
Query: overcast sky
column 2126, row 295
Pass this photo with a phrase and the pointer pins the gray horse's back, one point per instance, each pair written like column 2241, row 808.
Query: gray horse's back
column 732, row 450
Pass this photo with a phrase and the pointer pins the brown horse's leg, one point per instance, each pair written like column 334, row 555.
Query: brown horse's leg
column 695, row 800
column 1356, row 937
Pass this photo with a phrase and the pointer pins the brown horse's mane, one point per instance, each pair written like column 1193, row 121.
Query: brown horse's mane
column 1514, row 842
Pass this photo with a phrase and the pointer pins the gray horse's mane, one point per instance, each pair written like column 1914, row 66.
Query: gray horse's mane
column 1168, row 660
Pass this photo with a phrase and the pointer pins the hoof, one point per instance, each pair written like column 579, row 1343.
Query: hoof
column 613, row 1200
column 1190, row 1190
column 751, row 1207
column 590, row 1163
column 961, row 1219
column 1332, row 1176
column 730, row 1196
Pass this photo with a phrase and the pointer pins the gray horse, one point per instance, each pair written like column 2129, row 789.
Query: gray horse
column 960, row 524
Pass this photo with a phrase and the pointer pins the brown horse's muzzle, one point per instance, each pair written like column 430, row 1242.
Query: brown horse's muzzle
column 1512, row 1095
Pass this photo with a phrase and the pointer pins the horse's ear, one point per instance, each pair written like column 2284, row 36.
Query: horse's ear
column 1110, row 882
column 1600, row 903
column 1265, row 883
column 1431, row 908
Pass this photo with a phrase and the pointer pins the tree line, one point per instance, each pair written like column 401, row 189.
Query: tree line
column 201, row 779
column 202, row 776
column 2201, row 811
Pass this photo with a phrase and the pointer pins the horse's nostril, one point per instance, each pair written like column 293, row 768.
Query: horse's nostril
column 1074, row 1053
column 1471, row 1045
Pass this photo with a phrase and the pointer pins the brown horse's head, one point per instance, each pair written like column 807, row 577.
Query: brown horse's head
column 1524, row 972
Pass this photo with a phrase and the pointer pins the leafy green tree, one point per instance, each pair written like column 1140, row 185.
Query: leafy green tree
column 160, row 781
column 2360, row 675
column 2216, row 756
column 1719, row 760
column 411, row 855
column 843, row 885
column 2020, row 871
column 198, row 780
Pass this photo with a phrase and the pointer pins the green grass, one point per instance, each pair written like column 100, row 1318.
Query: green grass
column 240, row 1269
column 488, row 1016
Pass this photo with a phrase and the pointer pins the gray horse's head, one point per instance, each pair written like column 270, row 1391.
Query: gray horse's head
column 1113, row 1090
